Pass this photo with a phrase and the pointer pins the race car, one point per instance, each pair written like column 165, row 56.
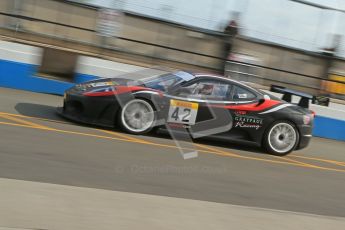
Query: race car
column 204, row 105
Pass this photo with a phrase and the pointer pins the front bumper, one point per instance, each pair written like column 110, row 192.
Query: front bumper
column 89, row 110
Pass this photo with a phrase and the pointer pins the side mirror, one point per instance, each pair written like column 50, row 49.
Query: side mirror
column 261, row 101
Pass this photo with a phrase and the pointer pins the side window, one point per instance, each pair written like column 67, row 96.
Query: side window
column 186, row 91
column 204, row 89
column 241, row 94
column 213, row 90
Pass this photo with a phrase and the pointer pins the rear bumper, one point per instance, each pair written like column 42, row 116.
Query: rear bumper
column 305, row 132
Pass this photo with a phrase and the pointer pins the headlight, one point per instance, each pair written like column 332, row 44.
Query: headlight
column 103, row 89
column 100, row 84
column 81, row 87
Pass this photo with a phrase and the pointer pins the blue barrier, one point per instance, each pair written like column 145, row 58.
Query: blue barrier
column 22, row 76
column 11, row 71
column 329, row 128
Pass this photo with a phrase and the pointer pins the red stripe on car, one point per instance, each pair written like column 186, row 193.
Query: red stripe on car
column 118, row 90
column 250, row 107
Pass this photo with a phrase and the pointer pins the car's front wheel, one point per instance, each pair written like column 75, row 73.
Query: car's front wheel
column 137, row 116
column 281, row 138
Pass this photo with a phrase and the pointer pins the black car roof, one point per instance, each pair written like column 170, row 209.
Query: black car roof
column 217, row 76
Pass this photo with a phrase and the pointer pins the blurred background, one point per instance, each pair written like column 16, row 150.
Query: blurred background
column 294, row 43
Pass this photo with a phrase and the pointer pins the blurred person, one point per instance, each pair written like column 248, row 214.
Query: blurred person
column 333, row 48
column 206, row 90
column 230, row 32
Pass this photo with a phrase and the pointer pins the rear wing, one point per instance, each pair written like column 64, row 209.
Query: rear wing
column 287, row 95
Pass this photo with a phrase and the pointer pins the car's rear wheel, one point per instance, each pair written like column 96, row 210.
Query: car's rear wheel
column 281, row 138
column 137, row 116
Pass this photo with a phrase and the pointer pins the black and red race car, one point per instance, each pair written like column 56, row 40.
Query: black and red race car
column 202, row 104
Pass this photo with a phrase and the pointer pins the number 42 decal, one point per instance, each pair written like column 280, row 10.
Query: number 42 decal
column 186, row 116
column 183, row 112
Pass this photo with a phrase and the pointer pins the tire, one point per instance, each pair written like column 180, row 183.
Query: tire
column 137, row 117
column 281, row 138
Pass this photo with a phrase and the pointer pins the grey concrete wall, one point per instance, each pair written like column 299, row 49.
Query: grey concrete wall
column 338, row 66
column 6, row 6
column 165, row 34
column 284, row 59
column 134, row 27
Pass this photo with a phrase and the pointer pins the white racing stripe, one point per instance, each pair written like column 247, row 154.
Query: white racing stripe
column 146, row 91
column 328, row 112
column 15, row 52
column 196, row 99
column 104, row 68
column 277, row 108
column 208, row 101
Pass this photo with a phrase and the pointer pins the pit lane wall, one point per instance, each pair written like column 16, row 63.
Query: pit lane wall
column 19, row 65
column 329, row 121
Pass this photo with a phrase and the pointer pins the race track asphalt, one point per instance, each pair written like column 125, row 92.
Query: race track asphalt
column 38, row 145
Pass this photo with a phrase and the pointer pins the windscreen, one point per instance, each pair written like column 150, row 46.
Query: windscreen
column 165, row 81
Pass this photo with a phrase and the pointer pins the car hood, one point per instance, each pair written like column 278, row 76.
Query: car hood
column 106, row 82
